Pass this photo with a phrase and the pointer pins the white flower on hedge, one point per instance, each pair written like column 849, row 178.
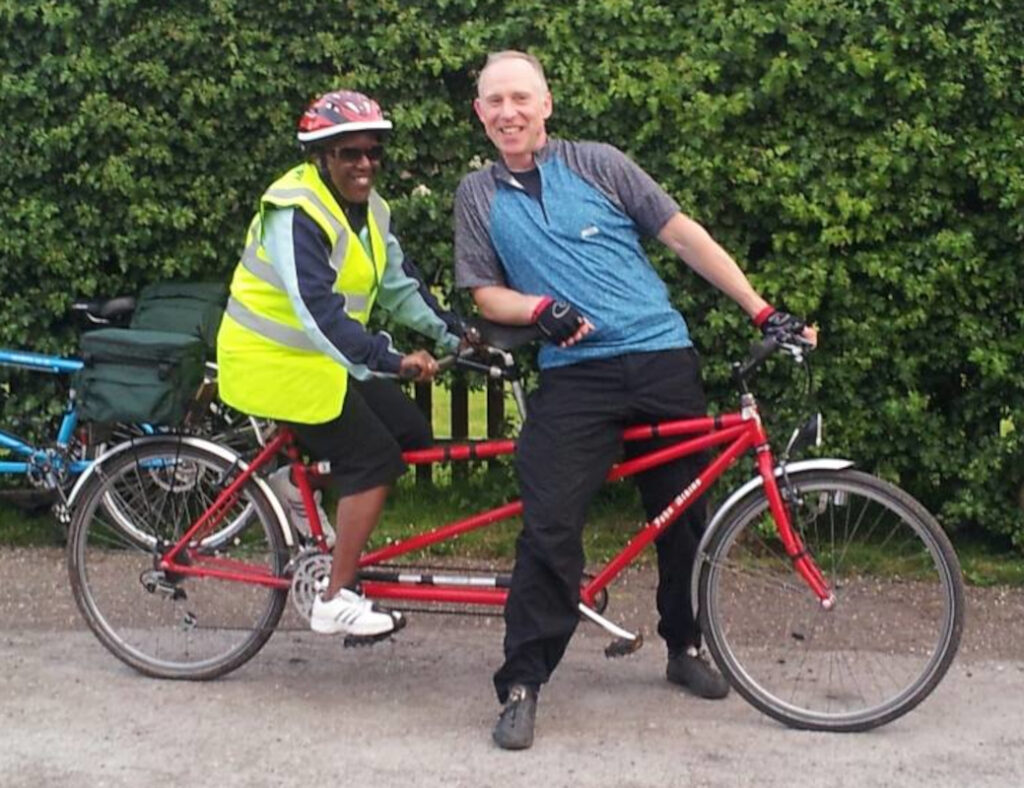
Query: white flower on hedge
column 421, row 191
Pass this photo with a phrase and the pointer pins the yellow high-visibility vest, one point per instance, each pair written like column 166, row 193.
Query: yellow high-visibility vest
column 267, row 364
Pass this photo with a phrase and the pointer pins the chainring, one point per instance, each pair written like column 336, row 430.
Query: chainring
column 310, row 577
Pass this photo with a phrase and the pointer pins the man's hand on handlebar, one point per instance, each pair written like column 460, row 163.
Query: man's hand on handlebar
column 785, row 328
column 561, row 322
column 418, row 366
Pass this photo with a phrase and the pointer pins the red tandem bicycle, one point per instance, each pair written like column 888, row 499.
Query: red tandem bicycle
column 830, row 599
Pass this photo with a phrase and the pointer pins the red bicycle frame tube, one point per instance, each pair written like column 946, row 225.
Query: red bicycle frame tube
column 200, row 565
column 737, row 432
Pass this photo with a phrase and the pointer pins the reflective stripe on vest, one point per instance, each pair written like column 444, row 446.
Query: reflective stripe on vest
column 271, row 329
column 261, row 270
column 340, row 235
column 378, row 210
column 354, row 302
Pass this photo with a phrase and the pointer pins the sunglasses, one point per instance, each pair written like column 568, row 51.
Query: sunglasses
column 352, row 155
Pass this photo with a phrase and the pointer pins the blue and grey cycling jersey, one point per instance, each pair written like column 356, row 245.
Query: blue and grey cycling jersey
column 581, row 242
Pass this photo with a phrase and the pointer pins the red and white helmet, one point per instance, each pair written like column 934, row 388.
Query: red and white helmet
column 340, row 112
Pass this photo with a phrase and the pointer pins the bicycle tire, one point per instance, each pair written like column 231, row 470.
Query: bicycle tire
column 175, row 627
column 225, row 427
column 896, row 624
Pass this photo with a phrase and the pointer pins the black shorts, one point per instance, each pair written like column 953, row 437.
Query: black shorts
column 364, row 444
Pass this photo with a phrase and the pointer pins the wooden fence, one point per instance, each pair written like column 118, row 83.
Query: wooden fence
column 424, row 395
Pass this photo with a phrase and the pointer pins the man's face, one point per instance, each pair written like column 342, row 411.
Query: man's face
column 353, row 162
column 513, row 105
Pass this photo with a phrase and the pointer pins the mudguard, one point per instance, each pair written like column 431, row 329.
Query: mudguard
column 726, row 507
column 188, row 440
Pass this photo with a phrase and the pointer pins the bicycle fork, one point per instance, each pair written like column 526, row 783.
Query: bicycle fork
column 803, row 561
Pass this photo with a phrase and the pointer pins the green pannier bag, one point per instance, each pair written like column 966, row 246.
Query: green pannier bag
column 184, row 307
column 139, row 377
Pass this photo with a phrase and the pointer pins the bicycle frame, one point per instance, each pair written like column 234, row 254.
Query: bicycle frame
column 738, row 433
column 37, row 459
column 799, row 657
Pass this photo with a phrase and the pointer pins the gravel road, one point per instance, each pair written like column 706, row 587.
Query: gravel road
column 417, row 711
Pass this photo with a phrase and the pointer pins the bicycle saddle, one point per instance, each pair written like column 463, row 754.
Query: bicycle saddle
column 106, row 308
column 502, row 336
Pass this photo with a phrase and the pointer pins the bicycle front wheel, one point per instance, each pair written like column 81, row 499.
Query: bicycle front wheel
column 892, row 633
column 165, row 624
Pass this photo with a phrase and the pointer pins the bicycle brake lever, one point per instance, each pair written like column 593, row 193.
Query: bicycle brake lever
column 794, row 349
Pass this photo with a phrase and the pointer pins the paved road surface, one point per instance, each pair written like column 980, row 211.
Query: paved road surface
column 418, row 711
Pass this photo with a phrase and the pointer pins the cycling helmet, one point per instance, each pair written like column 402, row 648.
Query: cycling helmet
column 340, row 112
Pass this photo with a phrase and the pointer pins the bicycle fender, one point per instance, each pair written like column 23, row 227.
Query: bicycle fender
column 214, row 448
column 726, row 507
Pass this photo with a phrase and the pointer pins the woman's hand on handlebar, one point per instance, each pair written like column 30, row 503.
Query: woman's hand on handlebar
column 418, row 366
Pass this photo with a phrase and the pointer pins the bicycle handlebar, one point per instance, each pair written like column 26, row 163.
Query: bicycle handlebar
column 412, row 372
column 794, row 344
column 455, row 360
column 496, row 339
column 759, row 353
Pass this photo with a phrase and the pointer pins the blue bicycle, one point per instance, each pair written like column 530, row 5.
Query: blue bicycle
column 51, row 467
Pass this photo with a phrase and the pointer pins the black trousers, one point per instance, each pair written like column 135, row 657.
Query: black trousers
column 364, row 443
column 571, row 438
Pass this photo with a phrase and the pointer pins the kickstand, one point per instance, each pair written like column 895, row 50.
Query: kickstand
column 625, row 642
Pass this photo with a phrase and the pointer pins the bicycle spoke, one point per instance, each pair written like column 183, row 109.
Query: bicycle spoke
column 162, row 622
column 887, row 640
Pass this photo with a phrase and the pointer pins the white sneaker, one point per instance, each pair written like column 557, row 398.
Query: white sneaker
column 349, row 613
column 288, row 493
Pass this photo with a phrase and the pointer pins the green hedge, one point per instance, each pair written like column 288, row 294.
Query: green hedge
column 863, row 161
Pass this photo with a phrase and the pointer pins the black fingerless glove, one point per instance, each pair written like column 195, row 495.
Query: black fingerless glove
column 557, row 320
column 780, row 326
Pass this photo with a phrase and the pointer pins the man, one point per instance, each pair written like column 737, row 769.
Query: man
column 294, row 346
column 550, row 234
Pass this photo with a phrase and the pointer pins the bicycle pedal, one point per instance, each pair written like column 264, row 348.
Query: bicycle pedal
column 354, row 641
column 621, row 647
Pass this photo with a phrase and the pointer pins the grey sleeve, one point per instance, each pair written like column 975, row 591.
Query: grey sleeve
column 476, row 262
column 625, row 183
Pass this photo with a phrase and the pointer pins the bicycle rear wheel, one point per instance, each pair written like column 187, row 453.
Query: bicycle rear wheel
column 896, row 624
column 166, row 624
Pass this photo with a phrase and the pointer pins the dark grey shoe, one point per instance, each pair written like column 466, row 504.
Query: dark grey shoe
column 514, row 730
column 695, row 674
